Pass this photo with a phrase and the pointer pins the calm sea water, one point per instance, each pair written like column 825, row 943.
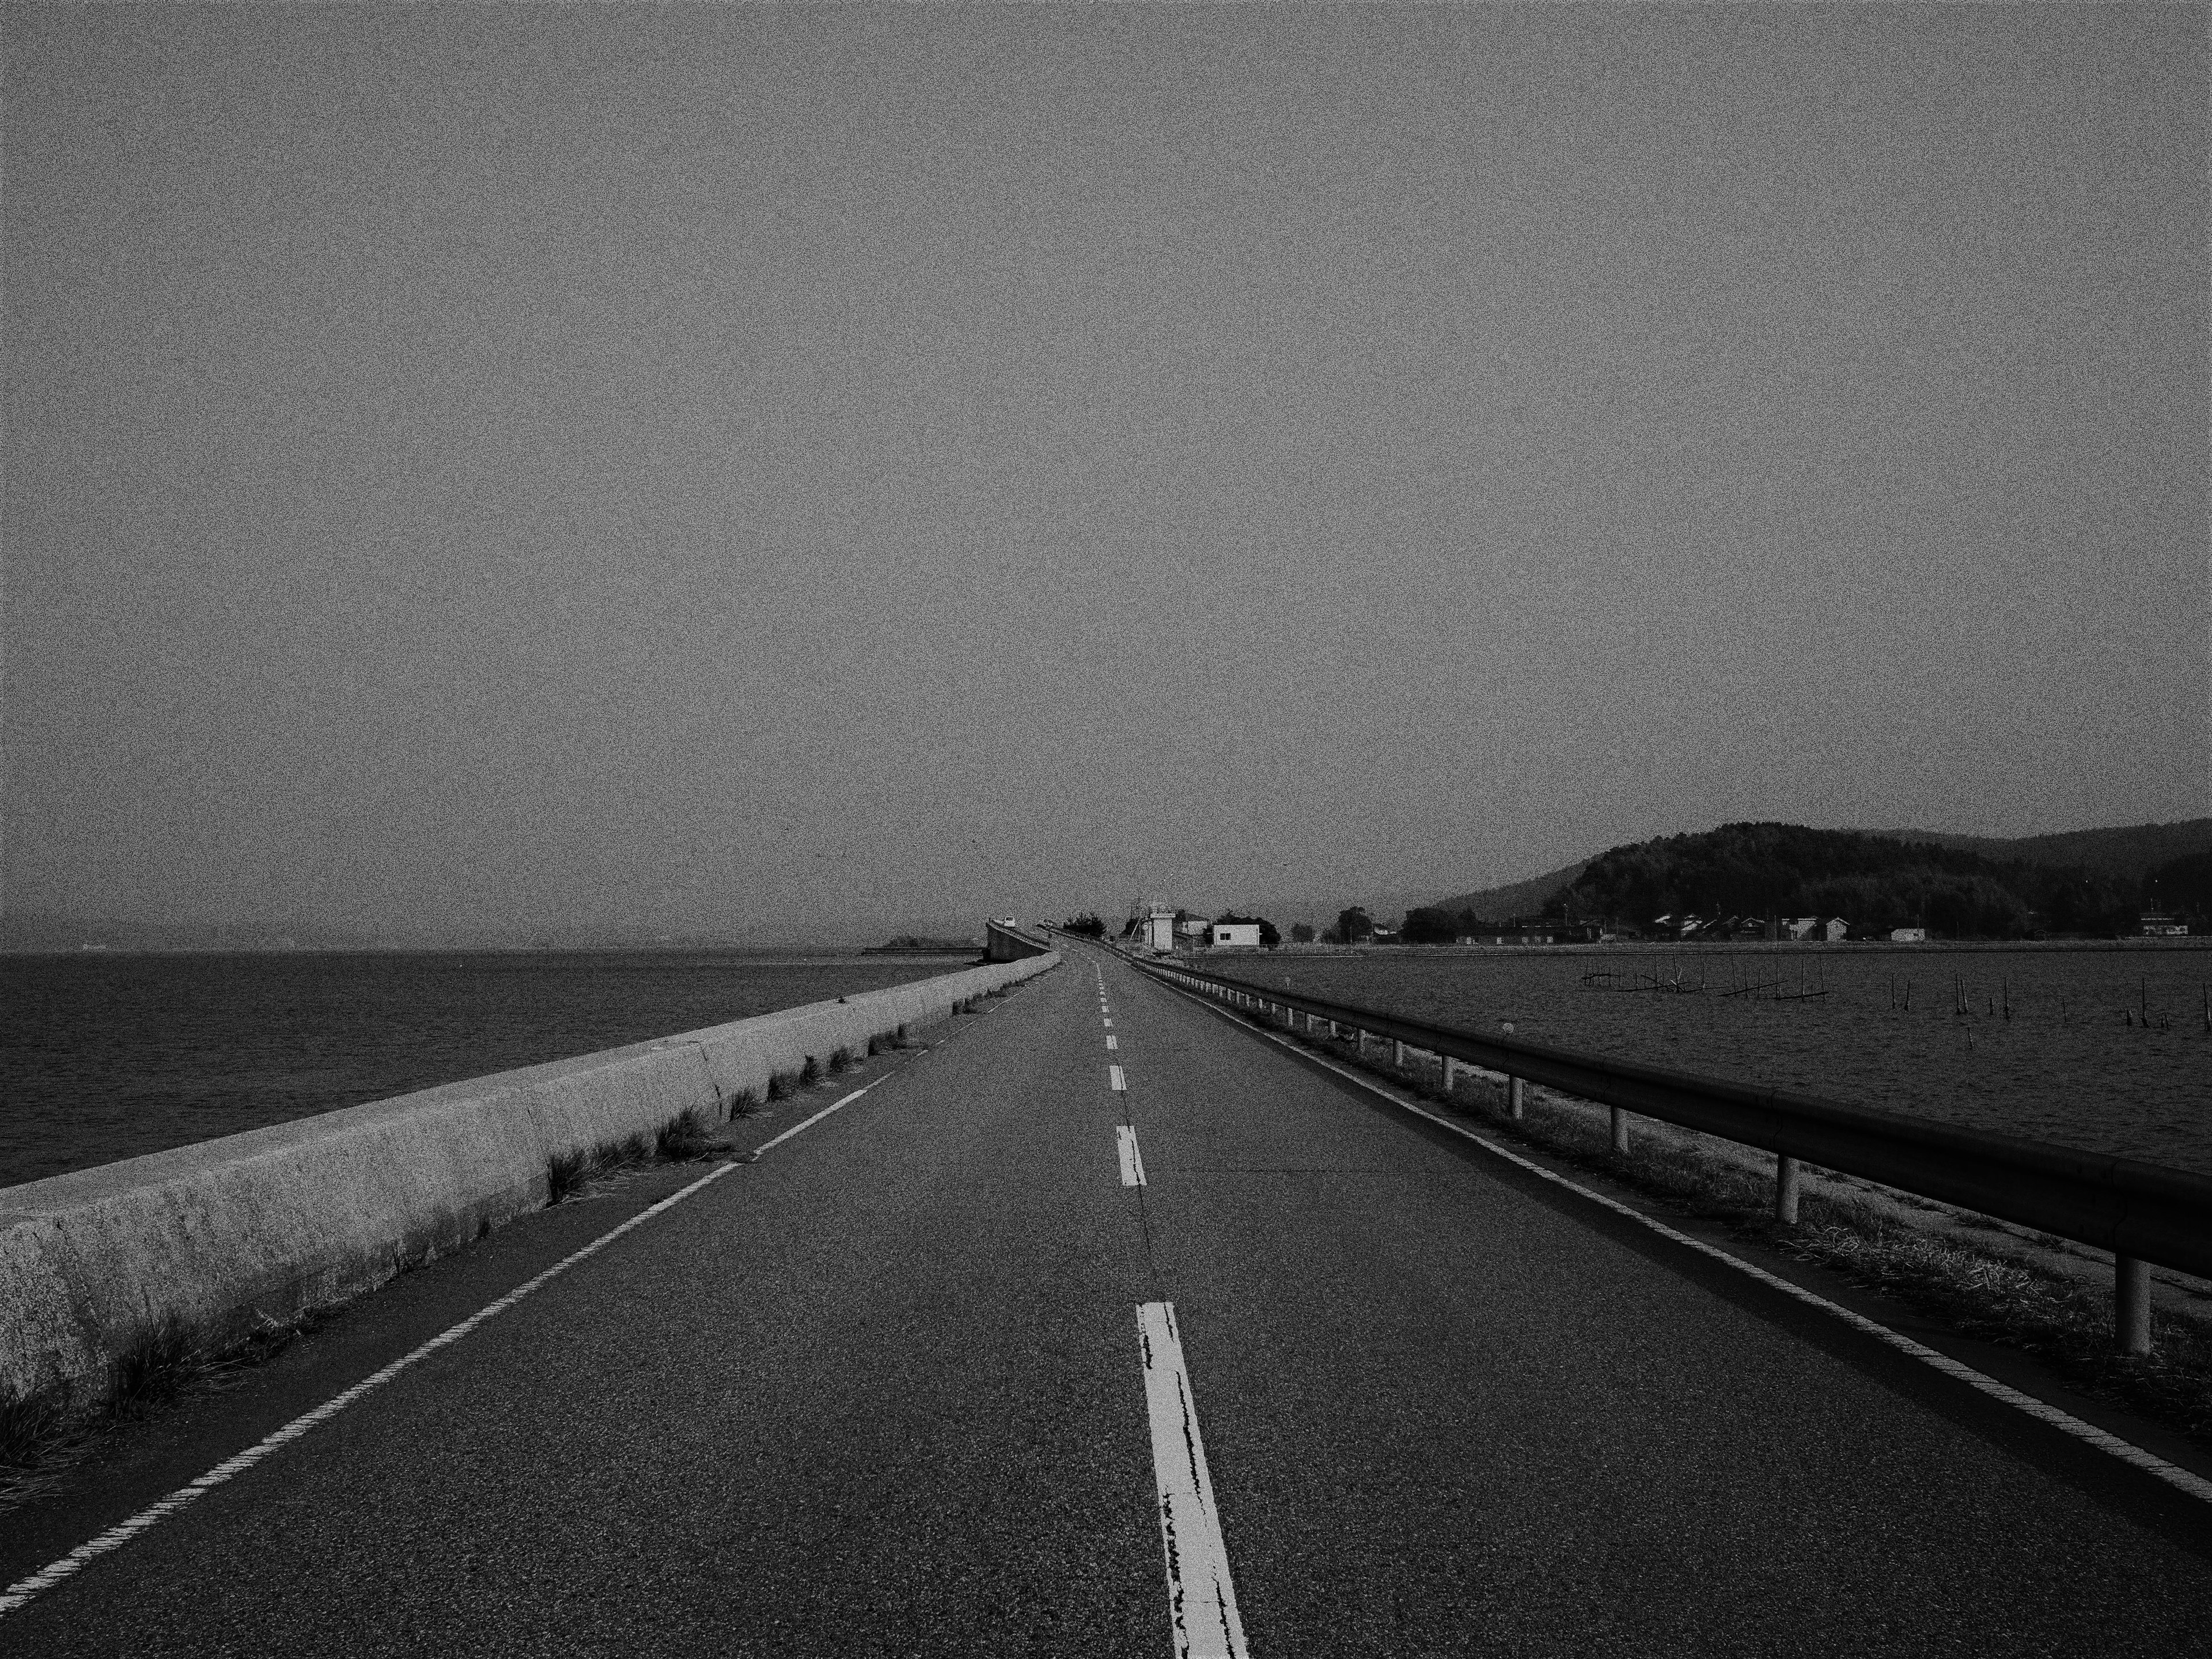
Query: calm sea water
column 2067, row 1066
column 105, row 1057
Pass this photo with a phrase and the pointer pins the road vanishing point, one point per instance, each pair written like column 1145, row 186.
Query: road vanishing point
column 1106, row 1325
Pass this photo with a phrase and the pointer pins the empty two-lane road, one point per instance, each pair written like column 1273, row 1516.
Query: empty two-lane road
column 1107, row 1327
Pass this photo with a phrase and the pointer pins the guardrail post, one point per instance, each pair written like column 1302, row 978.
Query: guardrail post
column 1397, row 1056
column 1515, row 1096
column 1450, row 1065
column 1620, row 1130
column 1785, row 1190
column 2131, row 1304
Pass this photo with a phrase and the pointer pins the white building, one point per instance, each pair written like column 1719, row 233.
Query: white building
column 1909, row 935
column 1236, row 933
column 1155, row 927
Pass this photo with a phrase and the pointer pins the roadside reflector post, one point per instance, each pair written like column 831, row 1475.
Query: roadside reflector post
column 2131, row 1304
column 1785, row 1190
column 1452, row 1068
column 1620, row 1130
column 1516, row 1095
column 1397, row 1055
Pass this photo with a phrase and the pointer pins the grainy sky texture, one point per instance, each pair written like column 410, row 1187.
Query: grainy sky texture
column 742, row 471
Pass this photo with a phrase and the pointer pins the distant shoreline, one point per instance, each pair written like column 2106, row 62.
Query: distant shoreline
column 805, row 952
column 1736, row 947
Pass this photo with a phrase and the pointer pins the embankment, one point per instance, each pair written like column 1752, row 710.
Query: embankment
column 208, row 1240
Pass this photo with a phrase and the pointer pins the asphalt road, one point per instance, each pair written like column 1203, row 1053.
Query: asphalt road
column 882, row 1392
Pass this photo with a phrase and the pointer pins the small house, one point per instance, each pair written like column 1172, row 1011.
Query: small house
column 1236, row 933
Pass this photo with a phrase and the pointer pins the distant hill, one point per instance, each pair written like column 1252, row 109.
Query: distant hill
column 1520, row 898
column 1878, row 882
column 2089, row 879
column 2127, row 854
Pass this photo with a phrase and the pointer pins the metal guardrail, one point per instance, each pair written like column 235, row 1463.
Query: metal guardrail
column 2141, row 1212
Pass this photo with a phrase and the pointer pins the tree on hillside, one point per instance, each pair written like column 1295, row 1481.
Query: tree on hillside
column 2182, row 887
column 1876, row 882
column 1301, row 933
column 1428, row 924
column 1352, row 926
column 1088, row 924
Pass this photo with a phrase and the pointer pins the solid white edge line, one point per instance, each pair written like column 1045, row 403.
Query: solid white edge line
column 23, row 1589
column 1132, row 1161
column 818, row 1116
column 2149, row 1462
column 1201, row 1595
column 1116, row 1080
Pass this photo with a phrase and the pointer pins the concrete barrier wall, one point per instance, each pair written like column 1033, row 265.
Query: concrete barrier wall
column 211, row 1238
column 1008, row 941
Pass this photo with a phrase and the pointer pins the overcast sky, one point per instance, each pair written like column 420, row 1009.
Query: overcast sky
column 748, row 471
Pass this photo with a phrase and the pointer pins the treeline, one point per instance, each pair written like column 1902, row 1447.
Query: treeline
column 1874, row 882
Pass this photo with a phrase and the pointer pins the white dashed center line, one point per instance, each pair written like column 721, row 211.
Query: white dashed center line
column 1132, row 1163
column 1115, row 1078
column 1201, row 1600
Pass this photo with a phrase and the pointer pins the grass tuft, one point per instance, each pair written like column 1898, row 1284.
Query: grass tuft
column 842, row 1061
column 28, row 1428
column 781, row 1085
column 878, row 1042
column 42, row 1436
column 565, row 1176
column 810, row 1074
column 684, row 1139
column 746, row 1102
column 149, row 1373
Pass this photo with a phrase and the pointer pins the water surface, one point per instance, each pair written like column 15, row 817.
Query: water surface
column 105, row 1057
column 2073, row 1063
